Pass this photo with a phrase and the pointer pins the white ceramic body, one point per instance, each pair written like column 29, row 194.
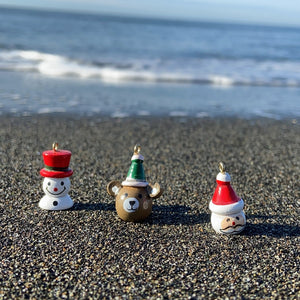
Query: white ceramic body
column 56, row 190
column 228, row 223
column 56, row 203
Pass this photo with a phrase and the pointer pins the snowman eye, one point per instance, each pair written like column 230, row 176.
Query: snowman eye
column 237, row 218
column 227, row 220
column 49, row 183
column 62, row 183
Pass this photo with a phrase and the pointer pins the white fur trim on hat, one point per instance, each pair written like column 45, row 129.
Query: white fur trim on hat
column 134, row 182
column 137, row 156
column 223, row 177
column 227, row 209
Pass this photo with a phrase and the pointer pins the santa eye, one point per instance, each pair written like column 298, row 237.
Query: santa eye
column 62, row 183
column 227, row 220
column 140, row 196
column 49, row 183
column 126, row 195
column 237, row 218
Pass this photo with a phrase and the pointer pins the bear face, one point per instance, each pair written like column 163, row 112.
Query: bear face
column 133, row 203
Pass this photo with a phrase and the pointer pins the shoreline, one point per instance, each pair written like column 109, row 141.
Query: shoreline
column 89, row 251
column 135, row 99
column 175, row 116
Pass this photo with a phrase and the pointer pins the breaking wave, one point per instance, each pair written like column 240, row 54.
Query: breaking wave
column 212, row 71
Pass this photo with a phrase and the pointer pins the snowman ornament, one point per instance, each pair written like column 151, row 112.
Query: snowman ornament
column 56, row 184
column 227, row 215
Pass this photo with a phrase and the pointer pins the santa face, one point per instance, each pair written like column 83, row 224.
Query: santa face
column 56, row 187
column 229, row 224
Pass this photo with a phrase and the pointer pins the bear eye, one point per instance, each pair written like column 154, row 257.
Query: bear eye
column 140, row 196
column 49, row 183
column 62, row 183
column 237, row 218
column 126, row 194
column 227, row 220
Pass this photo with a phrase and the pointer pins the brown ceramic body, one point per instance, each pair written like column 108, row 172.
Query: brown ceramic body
column 133, row 204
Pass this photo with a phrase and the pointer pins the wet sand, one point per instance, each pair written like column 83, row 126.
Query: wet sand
column 87, row 252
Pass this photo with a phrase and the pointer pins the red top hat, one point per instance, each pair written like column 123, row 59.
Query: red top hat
column 56, row 163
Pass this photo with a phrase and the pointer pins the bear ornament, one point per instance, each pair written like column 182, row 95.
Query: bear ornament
column 227, row 215
column 134, row 195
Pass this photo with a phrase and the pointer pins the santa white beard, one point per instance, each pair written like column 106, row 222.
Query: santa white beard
column 228, row 223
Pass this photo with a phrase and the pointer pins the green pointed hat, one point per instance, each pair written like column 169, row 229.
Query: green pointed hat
column 136, row 176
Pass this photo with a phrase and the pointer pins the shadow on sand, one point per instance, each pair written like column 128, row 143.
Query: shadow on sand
column 94, row 206
column 180, row 215
column 175, row 215
column 162, row 214
column 269, row 229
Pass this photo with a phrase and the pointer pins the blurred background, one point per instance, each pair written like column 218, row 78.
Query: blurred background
column 118, row 58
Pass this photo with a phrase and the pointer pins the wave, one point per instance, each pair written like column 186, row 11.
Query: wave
column 203, row 71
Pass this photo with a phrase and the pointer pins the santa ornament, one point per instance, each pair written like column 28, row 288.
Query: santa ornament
column 56, row 184
column 227, row 215
column 134, row 195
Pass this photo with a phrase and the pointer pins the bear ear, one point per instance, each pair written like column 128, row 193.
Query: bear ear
column 114, row 187
column 154, row 191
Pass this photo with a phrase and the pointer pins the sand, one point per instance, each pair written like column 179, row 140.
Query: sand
column 87, row 252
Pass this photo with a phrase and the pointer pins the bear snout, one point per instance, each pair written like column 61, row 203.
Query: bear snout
column 131, row 204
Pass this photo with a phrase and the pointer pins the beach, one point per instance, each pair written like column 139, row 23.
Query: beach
column 192, row 94
column 87, row 252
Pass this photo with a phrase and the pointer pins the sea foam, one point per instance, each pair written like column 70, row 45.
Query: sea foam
column 217, row 72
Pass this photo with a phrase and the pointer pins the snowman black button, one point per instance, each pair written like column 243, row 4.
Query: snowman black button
column 55, row 203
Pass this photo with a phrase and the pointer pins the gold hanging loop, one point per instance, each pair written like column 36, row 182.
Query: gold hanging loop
column 55, row 146
column 222, row 167
column 137, row 149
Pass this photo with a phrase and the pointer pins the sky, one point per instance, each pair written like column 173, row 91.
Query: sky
column 273, row 12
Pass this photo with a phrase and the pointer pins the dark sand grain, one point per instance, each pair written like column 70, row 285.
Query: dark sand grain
column 87, row 252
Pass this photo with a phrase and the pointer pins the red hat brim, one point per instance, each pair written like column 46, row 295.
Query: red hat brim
column 56, row 174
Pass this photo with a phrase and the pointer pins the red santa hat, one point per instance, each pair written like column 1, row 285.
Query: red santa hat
column 225, row 200
column 56, row 163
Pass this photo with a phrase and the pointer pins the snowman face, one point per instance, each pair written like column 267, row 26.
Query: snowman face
column 56, row 187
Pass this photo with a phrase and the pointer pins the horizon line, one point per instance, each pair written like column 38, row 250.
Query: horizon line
column 148, row 17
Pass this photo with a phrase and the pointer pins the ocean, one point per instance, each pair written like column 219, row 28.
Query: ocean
column 88, row 64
